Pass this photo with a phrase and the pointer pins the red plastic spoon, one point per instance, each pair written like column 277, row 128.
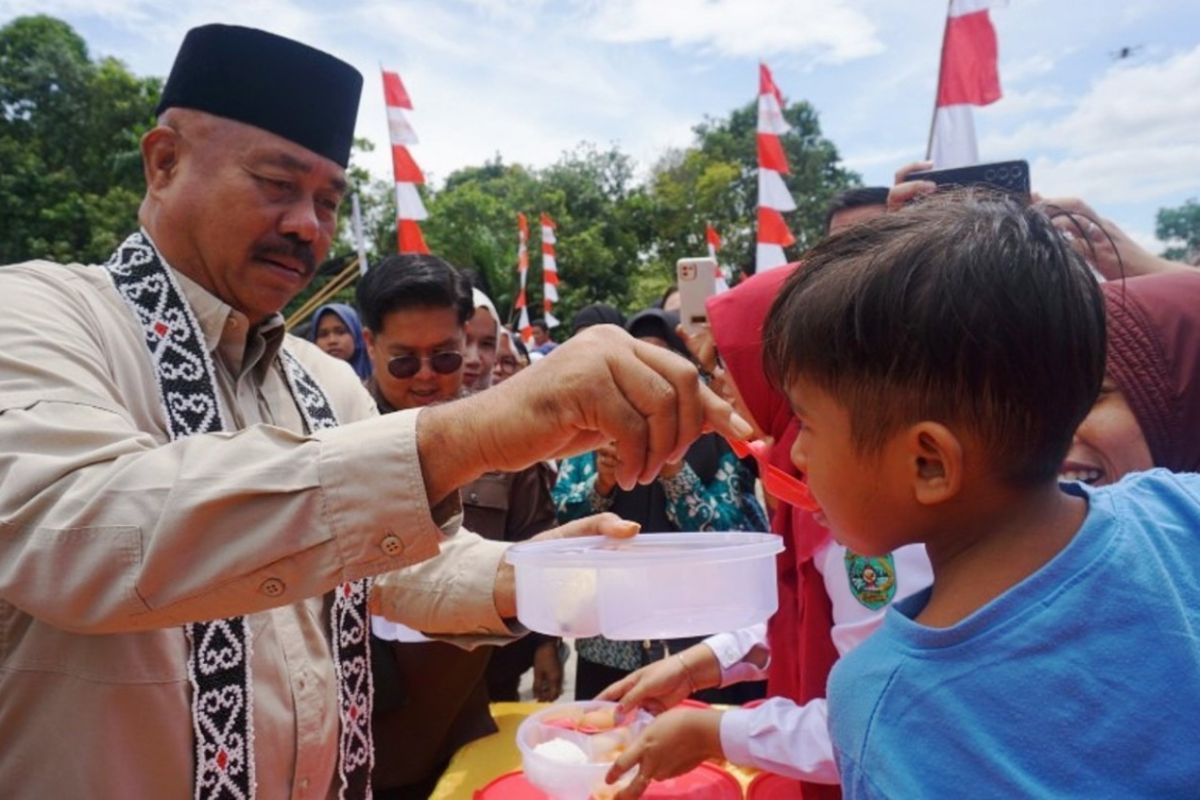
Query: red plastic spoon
column 787, row 488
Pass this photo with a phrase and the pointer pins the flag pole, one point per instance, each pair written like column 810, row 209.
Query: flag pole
column 938, row 89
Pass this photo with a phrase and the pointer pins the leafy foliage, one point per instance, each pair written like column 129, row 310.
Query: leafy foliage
column 70, row 167
column 1181, row 228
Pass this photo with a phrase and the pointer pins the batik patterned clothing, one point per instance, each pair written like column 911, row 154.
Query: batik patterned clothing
column 112, row 537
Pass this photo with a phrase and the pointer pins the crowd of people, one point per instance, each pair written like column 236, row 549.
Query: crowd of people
column 238, row 560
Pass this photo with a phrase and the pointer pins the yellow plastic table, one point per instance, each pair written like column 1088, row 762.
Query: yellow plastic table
column 477, row 764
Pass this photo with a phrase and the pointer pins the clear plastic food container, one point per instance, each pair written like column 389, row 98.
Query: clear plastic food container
column 653, row 586
column 563, row 780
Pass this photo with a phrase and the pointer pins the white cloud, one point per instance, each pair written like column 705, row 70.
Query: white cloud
column 1132, row 136
column 1031, row 67
column 828, row 29
column 1017, row 103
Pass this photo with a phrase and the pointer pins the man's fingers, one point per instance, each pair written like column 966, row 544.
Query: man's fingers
column 646, row 387
column 689, row 410
column 720, row 417
column 908, row 169
column 606, row 524
column 903, row 193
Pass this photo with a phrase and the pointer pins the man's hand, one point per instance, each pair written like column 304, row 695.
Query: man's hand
column 1101, row 243
column 607, row 462
column 603, row 385
column 547, row 672
column 673, row 744
column 505, row 591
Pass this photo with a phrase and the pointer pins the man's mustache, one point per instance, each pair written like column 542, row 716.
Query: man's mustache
column 292, row 249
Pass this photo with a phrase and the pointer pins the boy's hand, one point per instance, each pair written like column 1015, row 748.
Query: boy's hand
column 665, row 683
column 674, row 744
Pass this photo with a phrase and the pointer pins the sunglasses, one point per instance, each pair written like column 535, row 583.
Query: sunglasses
column 442, row 363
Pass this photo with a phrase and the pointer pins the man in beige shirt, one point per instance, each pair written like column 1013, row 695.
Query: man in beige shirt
column 115, row 531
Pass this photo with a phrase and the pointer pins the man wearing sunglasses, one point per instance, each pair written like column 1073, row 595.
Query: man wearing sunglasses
column 431, row 696
column 414, row 309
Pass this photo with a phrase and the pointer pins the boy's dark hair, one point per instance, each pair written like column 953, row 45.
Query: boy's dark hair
column 967, row 308
column 412, row 281
column 855, row 198
column 540, row 323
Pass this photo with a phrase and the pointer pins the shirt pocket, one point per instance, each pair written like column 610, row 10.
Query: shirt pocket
column 146, row 657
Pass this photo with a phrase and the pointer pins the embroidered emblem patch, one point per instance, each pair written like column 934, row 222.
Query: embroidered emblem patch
column 872, row 578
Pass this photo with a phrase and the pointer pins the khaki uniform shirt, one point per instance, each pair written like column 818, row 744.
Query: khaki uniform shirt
column 112, row 536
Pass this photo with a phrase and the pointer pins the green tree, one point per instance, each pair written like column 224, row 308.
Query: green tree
column 70, row 166
column 716, row 181
column 473, row 224
column 1180, row 228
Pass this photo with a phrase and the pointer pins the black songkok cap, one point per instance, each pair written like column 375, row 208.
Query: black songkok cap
column 290, row 89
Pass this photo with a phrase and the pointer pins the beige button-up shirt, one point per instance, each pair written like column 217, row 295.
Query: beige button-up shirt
column 112, row 536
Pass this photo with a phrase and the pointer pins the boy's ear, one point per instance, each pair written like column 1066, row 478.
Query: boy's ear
column 936, row 456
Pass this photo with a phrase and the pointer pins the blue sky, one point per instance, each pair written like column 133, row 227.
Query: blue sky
column 530, row 78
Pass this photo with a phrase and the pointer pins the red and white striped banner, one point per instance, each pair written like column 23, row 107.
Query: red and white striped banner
column 549, row 271
column 409, row 208
column 773, row 194
column 714, row 244
column 714, row 241
column 968, row 77
column 522, row 302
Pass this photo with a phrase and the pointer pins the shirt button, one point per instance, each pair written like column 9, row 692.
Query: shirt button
column 304, row 784
column 272, row 587
column 392, row 545
column 473, row 497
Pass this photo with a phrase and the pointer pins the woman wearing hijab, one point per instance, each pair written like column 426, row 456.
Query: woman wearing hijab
column 337, row 330
column 709, row 490
column 820, row 615
column 1148, row 412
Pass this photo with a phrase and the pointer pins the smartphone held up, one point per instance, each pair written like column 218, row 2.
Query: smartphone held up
column 697, row 281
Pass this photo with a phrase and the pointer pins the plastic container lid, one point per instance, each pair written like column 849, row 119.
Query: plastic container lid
column 768, row 786
column 653, row 586
column 705, row 782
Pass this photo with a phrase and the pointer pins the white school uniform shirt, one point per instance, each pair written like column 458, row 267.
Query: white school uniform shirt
column 779, row 735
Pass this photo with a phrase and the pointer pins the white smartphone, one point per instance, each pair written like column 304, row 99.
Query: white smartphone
column 697, row 281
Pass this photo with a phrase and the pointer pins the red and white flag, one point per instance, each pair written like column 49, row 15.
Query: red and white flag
column 773, row 194
column 409, row 208
column 968, row 77
column 549, row 271
column 714, row 241
column 522, row 303
column 714, row 244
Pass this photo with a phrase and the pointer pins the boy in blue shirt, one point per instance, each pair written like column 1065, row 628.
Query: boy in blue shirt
column 940, row 359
